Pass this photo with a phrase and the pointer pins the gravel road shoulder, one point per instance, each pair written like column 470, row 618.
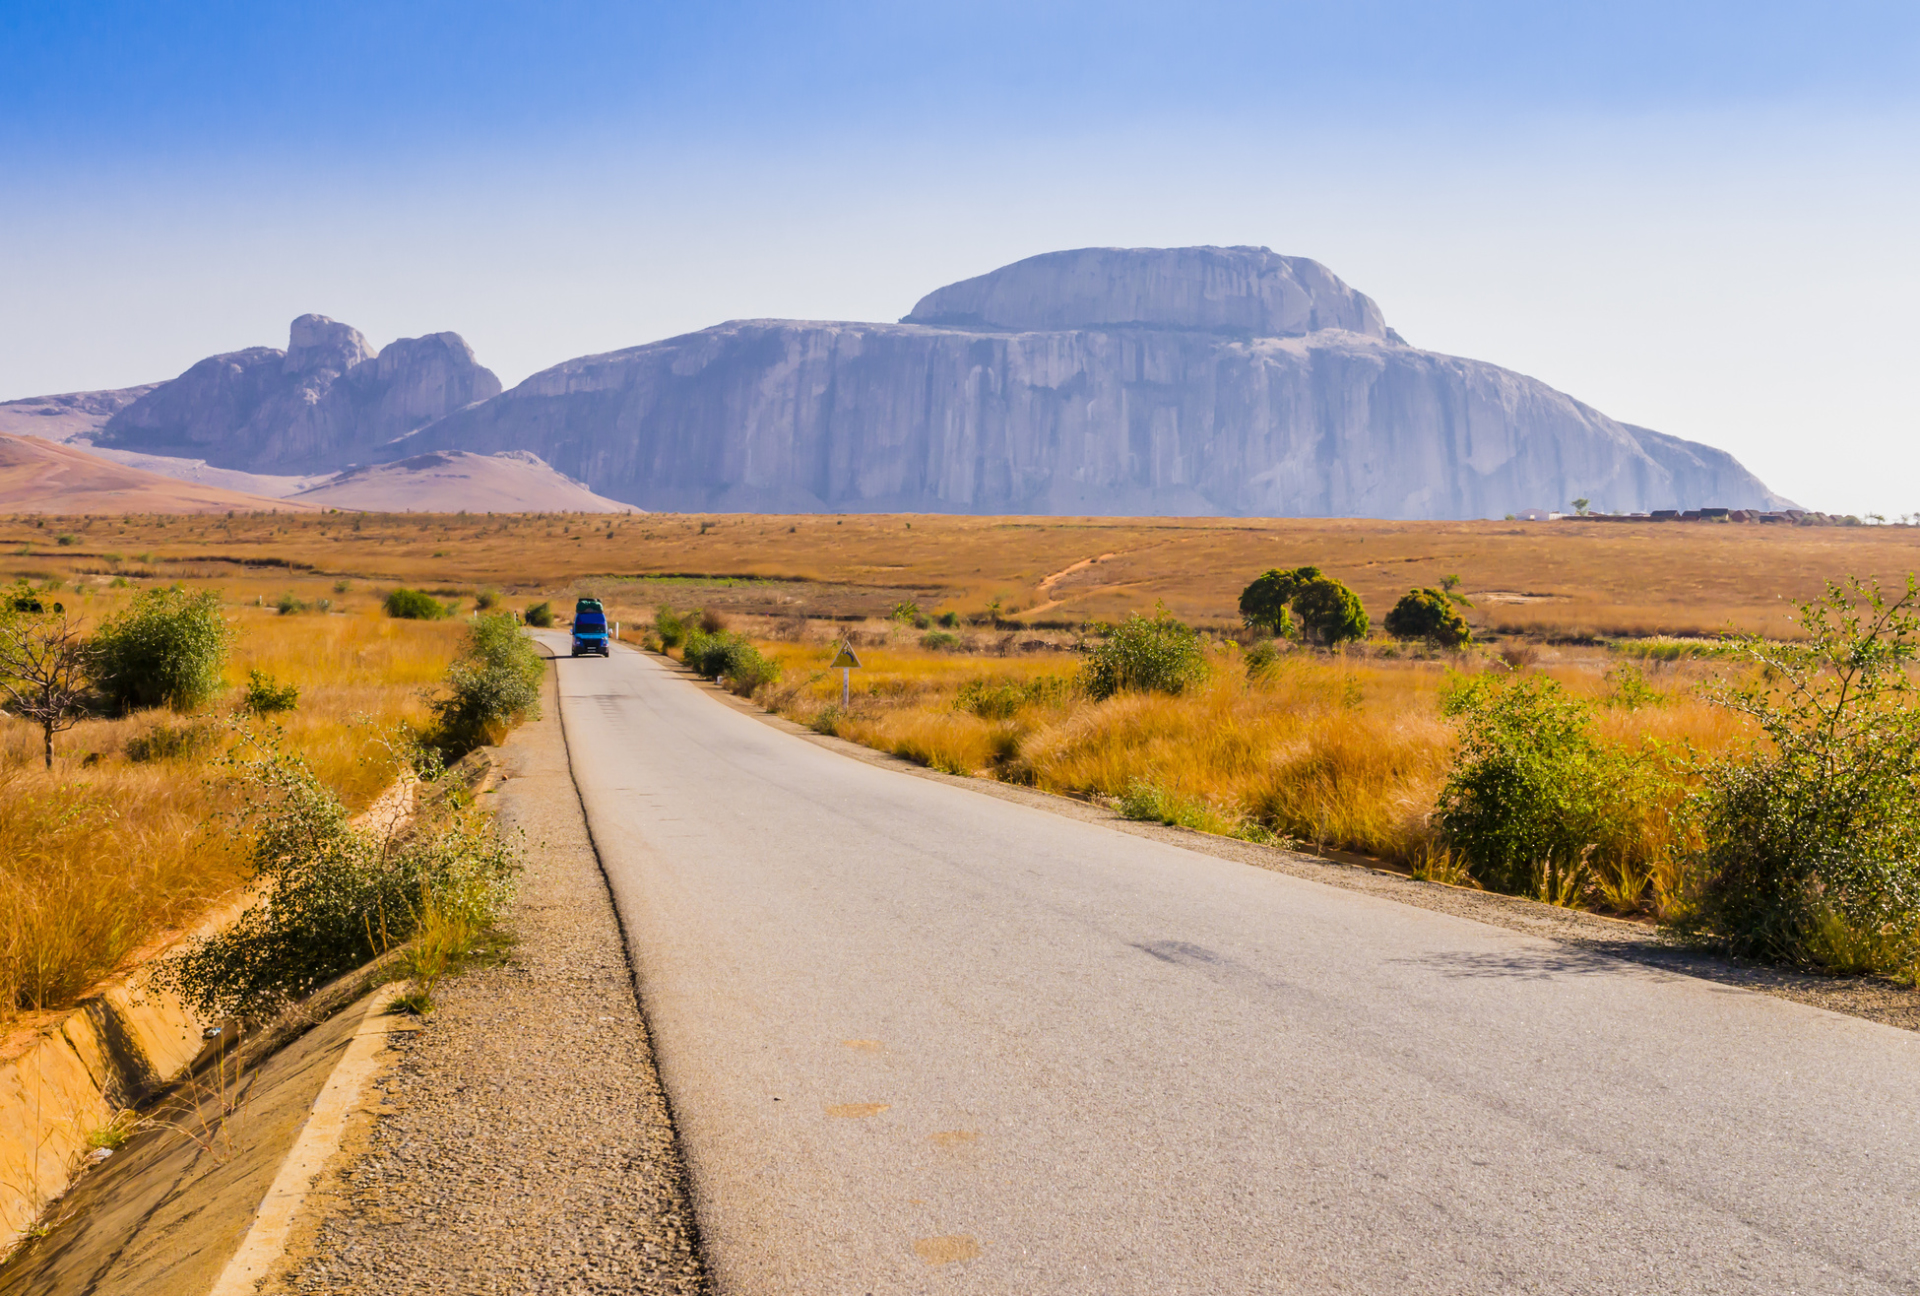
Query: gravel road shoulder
column 523, row 1143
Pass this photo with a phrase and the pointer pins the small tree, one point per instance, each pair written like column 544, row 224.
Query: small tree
column 44, row 662
column 1263, row 604
column 1580, row 506
column 1329, row 612
column 1430, row 615
column 166, row 649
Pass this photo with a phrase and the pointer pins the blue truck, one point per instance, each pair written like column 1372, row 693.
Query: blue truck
column 590, row 628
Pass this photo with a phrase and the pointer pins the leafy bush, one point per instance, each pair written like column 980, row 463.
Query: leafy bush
column 266, row 695
column 1428, row 614
column 165, row 649
column 1329, row 612
column 414, row 605
column 729, row 658
column 492, row 686
column 1146, row 654
column 541, row 615
column 948, row 620
column 671, row 627
column 288, row 605
column 1810, row 847
column 169, row 742
column 1000, row 699
column 1630, row 690
column 1260, row 658
column 940, row 641
column 334, row 896
column 1534, row 805
column 712, row 620
column 486, row 600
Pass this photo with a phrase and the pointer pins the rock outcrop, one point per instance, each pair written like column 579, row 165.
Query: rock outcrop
column 1192, row 381
column 1247, row 291
column 452, row 481
column 324, row 402
column 66, row 416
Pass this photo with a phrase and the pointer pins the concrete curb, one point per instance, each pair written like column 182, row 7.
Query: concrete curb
column 266, row 1237
column 115, row 1049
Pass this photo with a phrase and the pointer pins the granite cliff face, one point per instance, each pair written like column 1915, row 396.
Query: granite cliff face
column 1249, row 291
column 1191, row 381
column 324, row 402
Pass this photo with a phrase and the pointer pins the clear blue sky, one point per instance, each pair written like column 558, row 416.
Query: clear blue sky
column 1696, row 216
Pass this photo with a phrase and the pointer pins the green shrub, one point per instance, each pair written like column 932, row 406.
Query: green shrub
column 1810, row 846
column 1000, row 699
column 1428, row 614
column 265, row 695
column 165, row 649
column 1534, row 806
column 1329, row 612
column 729, row 658
column 414, row 605
column 169, row 742
column 940, row 641
column 1145, row 654
column 540, row 615
column 949, row 620
column 1260, row 658
column 333, row 896
column 493, row 686
column 1630, row 690
column 288, row 605
column 670, row 626
column 486, row 600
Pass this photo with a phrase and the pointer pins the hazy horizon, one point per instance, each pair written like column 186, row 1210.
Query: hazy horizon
column 1698, row 222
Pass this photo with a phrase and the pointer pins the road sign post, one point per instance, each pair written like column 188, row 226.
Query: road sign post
column 846, row 663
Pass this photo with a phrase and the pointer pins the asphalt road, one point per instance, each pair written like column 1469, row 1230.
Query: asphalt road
column 920, row 1039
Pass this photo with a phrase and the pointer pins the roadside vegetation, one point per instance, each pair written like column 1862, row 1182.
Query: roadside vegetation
column 1759, row 796
column 114, row 821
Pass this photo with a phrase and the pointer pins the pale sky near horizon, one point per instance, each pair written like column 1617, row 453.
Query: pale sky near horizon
column 1697, row 217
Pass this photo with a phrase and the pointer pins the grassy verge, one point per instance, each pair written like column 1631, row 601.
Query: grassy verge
column 108, row 850
column 1344, row 752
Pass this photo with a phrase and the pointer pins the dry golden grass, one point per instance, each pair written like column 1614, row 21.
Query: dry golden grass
column 1342, row 752
column 103, row 853
column 1564, row 579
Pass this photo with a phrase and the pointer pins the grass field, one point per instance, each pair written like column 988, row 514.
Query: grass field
column 109, row 849
column 1347, row 752
column 1342, row 752
column 1548, row 579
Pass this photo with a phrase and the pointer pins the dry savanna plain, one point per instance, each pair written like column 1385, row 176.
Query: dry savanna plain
column 974, row 634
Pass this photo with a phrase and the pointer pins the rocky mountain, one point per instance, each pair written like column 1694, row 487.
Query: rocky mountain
column 453, row 481
column 324, row 402
column 1181, row 381
column 68, row 415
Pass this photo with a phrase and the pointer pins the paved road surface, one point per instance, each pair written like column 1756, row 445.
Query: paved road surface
column 919, row 1039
